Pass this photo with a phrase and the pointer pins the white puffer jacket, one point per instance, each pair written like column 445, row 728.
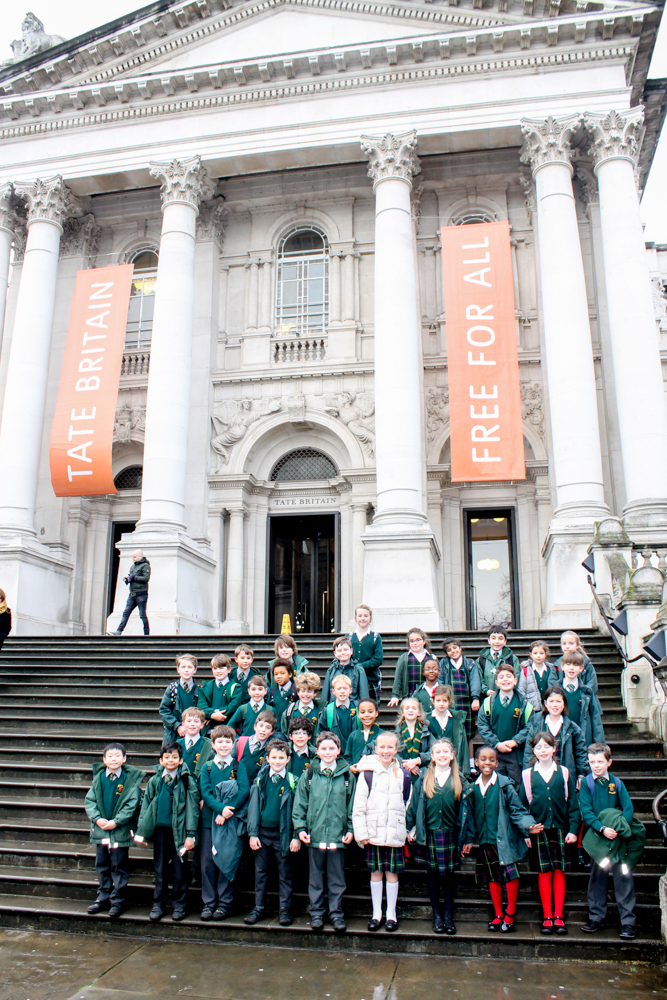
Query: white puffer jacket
column 379, row 816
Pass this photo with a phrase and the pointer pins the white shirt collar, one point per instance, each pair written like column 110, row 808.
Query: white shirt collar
column 187, row 685
column 420, row 656
column 171, row 774
column 301, row 753
column 282, row 772
column 485, row 787
column 243, row 672
column 285, row 687
column 442, row 774
column 305, row 708
column 448, row 716
column 115, row 771
column 546, row 770
column 457, row 663
column 221, row 683
column 553, row 727
column 219, row 762
column 342, row 704
column 257, row 703
column 570, row 684
column 191, row 740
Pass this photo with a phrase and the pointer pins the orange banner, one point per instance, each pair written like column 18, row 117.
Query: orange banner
column 82, row 430
column 482, row 361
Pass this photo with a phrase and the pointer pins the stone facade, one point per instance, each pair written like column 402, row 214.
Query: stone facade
column 210, row 133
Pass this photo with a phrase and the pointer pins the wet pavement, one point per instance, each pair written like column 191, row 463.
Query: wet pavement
column 77, row 967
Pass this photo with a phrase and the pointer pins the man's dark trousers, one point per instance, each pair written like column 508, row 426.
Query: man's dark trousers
column 112, row 865
column 331, row 863
column 624, row 891
column 270, row 841
column 135, row 601
column 216, row 890
column 164, row 851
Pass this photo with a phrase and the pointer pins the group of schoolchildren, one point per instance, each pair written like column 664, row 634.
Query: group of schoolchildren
column 271, row 764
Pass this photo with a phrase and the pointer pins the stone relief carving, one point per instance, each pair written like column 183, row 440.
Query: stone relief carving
column 357, row 411
column 183, row 180
column 50, row 200
column 80, row 238
column 33, row 39
column 129, row 420
column 437, row 411
column 529, row 198
column 296, row 409
column 211, row 221
column 531, row 406
column 231, row 420
column 391, row 155
column 547, row 140
column 589, row 184
column 13, row 214
column 659, row 289
column 614, row 134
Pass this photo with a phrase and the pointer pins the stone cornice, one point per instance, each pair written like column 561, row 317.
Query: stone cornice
column 124, row 111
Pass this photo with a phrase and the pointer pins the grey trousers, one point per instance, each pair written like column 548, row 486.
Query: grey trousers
column 113, row 873
column 332, row 865
column 216, row 890
column 624, row 890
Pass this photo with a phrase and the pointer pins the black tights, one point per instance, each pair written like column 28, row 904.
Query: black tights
column 440, row 887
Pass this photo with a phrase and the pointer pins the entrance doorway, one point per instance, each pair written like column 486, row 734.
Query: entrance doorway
column 303, row 573
column 491, row 572
column 118, row 528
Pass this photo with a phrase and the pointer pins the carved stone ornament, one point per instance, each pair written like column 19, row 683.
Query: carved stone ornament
column 296, row 409
column 659, row 290
column 231, row 420
column 589, row 184
column 33, row 39
column 49, row 201
column 12, row 213
column 211, row 221
column 391, row 155
column 529, row 195
column 615, row 135
column 357, row 411
column 129, row 424
column 547, row 140
column 531, row 406
column 185, row 181
column 437, row 411
column 80, row 238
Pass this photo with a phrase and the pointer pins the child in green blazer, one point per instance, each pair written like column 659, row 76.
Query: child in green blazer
column 169, row 818
column 367, row 649
column 285, row 648
column 251, row 750
column 448, row 723
column 426, row 691
column 283, row 689
column 307, row 704
column 111, row 803
column 243, row 719
column 582, row 703
column 414, row 737
column 179, row 695
column 219, row 698
column 196, row 748
column 503, row 722
column 461, row 674
column 361, row 742
column 409, row 672
column 302, row 747
column 493, row 655
column 340, row 716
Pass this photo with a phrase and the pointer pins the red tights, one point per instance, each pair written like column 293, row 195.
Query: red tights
column 512, row 889
column 544, row 883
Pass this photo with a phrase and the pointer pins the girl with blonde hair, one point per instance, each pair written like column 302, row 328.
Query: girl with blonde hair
column 413, row 736
column 367, row 649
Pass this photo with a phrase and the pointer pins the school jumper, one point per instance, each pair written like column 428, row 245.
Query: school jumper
column 553, row 802
column 323, row 807
column 353, row 672
column 244, row 718
column 250, row 752
column 367, row 652
column 280, row 698
column 361, row 744
column 339, row 719
column 466, row 684
column 196, row 755
column 299, row 761
column 455, row 732
column 270, row 819
column 408, row 675
column 582, row 706
column 217, row 892
column 596, row 795
column 570, row 744
column 498, row 722
column 237, row 675
column 177, row 697
column 587, row 676
column 488, row 665
column 116, row 798
column 295, row 711
column 424, row 695
column 223, row 696
column 532, row 686
column 170, row 814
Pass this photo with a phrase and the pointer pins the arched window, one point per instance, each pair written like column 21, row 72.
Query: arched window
column 142, row 299
column 302, row 283
column 129, row 479
column 472, row 216
column 304, row 463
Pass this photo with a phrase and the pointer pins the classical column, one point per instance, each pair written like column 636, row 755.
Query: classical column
column 22, row 430
column 235, row 571
column 401, row 554
column 184, row 184
column 576, row 455
column 348, row 288
column 359, row 520
column 7, row 221
column 640, row 399
column 334, row 287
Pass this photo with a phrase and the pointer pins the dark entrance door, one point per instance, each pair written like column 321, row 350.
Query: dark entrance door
column 491, row 572
column 118, row 528
column 303, row 573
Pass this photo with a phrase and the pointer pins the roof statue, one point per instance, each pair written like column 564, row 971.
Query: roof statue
column 33, row 39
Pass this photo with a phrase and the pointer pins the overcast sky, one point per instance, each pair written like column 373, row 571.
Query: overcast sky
column 72, row 17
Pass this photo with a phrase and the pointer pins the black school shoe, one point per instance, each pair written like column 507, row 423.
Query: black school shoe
column 628, row 933
column 316, row 923
column 285, row 919
column 116, row 911
column 338, row 924
column 592, row 926
column 450, row 926
column 207, row 913
column 178, row 915
column 99, row 906
column 374, row 925
column 391, row 925
column 221, row 913
column 438, row 925
column 254, row 915
column 156, row 914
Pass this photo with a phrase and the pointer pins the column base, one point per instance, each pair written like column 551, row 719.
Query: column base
column 568, row 595
column 37, row 583
column 181, row 588
column 234, row 626
column 650, row 514
column 400, row 577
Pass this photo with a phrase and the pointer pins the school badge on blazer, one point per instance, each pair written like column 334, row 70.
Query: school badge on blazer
column 517, row 712
column 119, row 790
column 612, row 789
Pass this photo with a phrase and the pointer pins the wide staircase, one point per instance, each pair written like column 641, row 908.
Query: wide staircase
column 61, row 700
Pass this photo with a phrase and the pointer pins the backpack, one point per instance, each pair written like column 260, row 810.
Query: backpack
column 240, row 747
column 407, row 784
column 528, row 788
column 173, row 693
column 527, row 708
column 331, row 708
column 290, row 778
column 590, row 783
column 232, row 774
column 134, row 822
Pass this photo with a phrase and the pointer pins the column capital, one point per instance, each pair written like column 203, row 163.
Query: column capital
column 547, row 140
column 391, row 156
column 184, row 182
column 7, row 213
column 615, row 135
column 211, row 221
column 49, row 201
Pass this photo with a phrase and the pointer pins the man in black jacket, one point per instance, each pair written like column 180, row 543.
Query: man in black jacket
column 138, row 577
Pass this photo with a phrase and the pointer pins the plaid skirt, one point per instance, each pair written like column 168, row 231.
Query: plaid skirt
column 384, row 859
column 550, row 852
column 462, row 697
column 489, row 868
column 440, row 853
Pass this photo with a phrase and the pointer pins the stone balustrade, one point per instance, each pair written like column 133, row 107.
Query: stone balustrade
column 292, row 351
